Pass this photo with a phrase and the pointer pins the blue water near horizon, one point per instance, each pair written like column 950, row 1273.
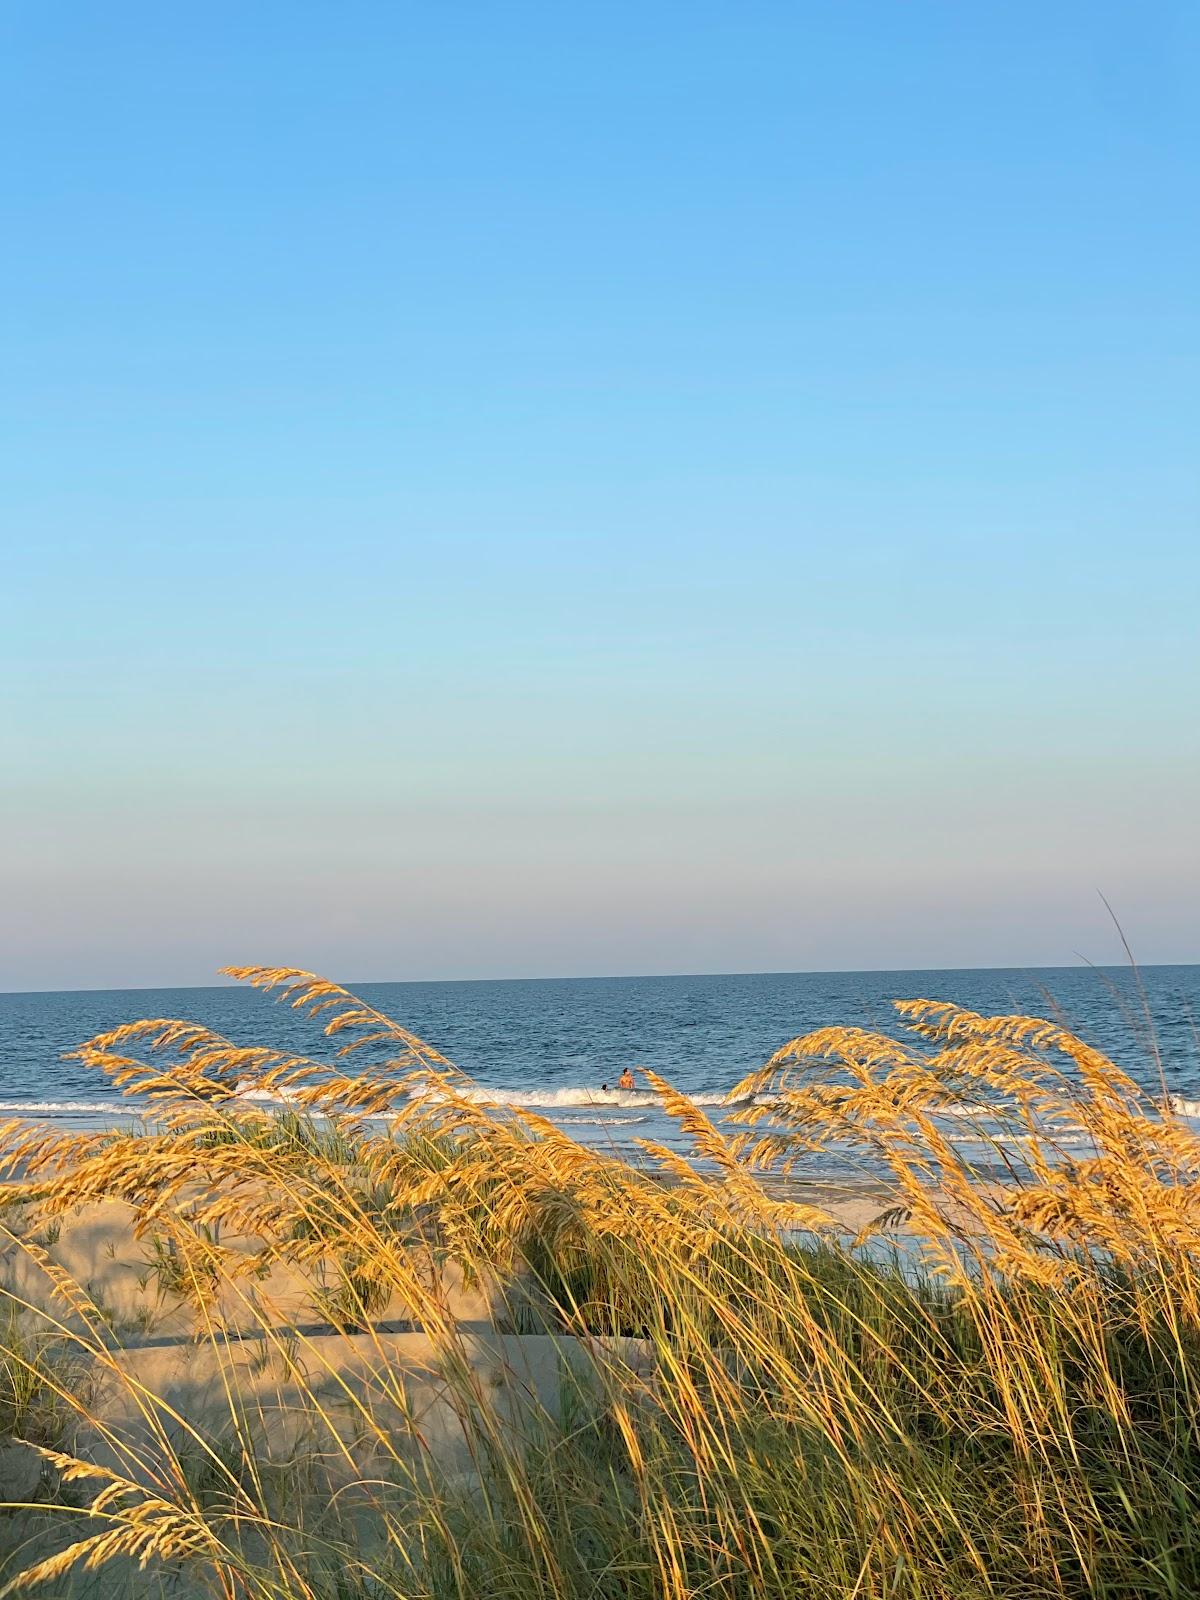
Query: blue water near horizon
column 550, row 1043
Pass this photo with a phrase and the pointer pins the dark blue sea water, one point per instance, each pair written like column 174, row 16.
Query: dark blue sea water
column 552, row 1043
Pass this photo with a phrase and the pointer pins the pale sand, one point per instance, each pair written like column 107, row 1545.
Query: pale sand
column 390, row 1399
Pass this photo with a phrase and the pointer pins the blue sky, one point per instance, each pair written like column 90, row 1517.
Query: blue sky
column 530, row 490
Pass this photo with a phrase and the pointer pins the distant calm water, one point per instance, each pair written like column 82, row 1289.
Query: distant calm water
column 551, row 1043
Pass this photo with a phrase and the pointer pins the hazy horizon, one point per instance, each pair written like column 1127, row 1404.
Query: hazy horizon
column 536, row 493
column 1101, row 968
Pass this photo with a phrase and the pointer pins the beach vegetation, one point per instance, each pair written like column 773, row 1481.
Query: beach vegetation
column 420, row 1346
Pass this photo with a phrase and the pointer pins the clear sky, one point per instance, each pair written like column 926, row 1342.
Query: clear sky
column 536, row 489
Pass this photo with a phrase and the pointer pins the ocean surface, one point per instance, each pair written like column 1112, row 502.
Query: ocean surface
column 552, row 1043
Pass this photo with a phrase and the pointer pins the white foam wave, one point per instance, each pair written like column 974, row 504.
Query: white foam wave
column 1185, row 1108
column 62, row 1107
column 976, row 1111
column 600, row 1121
column 1001, row 1139
column 577, row 1095
column 572, row 1095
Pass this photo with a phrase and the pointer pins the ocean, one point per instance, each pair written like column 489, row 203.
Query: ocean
column 552, row 1043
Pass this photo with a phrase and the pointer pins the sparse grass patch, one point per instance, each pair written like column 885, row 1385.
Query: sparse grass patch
column 36, row 1368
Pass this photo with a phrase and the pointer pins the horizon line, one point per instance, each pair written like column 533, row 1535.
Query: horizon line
column 625, row 977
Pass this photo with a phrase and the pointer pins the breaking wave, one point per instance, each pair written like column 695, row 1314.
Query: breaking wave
column 977, row 1111
column 573, row 1095
column 53, row 1107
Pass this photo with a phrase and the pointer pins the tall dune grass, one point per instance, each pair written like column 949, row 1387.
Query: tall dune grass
column 747, row 1402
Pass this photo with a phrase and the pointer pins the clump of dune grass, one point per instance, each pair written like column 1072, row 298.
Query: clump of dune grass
column 751, row 1404
column 35, row 1370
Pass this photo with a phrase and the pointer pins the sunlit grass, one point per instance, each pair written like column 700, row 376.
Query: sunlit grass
column 436, row 1349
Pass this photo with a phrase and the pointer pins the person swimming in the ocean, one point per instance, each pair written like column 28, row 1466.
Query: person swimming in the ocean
column 625, row 1081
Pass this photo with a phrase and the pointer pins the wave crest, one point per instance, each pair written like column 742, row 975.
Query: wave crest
column 580, row 1095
